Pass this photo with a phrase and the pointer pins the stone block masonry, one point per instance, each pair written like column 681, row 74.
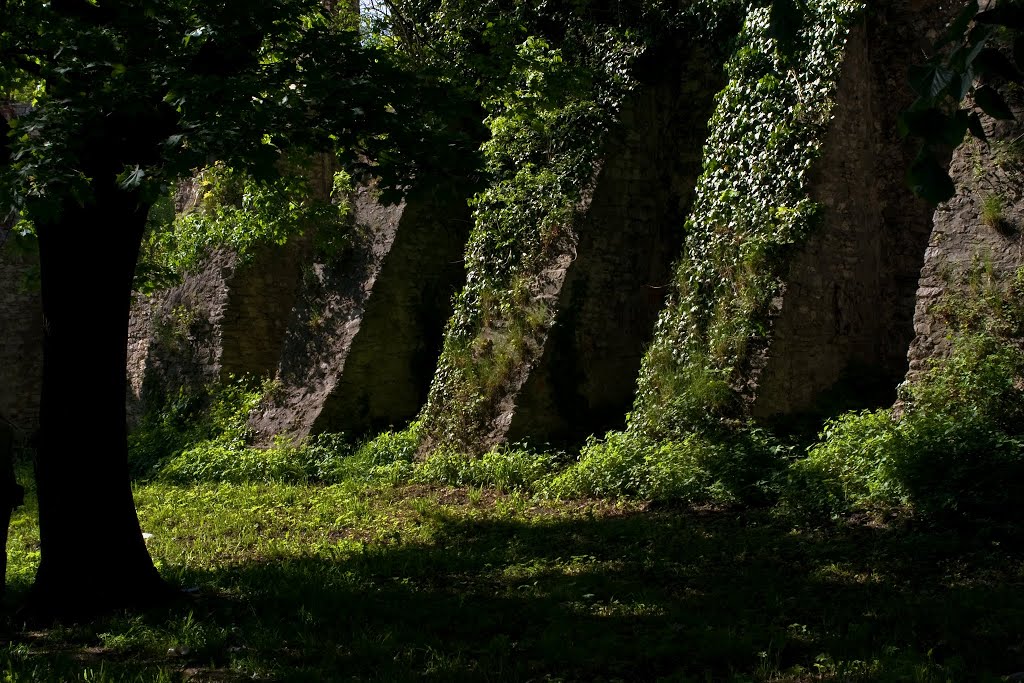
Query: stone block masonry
column 364, row 338
column 843, row 319
column 227, row 319
column 630, row 234
column 976, row 249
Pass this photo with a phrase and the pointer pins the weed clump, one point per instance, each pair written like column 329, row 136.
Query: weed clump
column 204, row 435
column 217, row 413
column 993, row 214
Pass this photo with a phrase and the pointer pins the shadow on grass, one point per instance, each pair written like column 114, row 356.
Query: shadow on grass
column 640, row 596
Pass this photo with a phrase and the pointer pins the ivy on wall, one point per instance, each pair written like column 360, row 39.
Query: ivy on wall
column 549, row 124
column 753, row 207
column 687, row 437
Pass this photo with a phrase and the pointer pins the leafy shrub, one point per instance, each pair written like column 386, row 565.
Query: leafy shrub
column 958, row 447
column 695, row 468
column 236, row 210
column 204, row 435
column 189, row 417
column 846, row 464
column 386, row 458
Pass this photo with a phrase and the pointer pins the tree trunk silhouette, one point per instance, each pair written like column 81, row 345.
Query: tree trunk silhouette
column 92, row 554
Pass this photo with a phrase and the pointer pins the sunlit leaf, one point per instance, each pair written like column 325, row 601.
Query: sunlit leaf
column 131, row 179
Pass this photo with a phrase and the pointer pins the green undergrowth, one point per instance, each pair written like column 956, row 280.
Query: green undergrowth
column 955, row 447
column 204, row 436
column 728, row 468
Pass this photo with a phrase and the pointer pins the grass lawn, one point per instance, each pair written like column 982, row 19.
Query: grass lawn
column 360, row 582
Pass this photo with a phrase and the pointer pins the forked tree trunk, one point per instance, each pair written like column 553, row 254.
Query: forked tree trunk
column 92, row 554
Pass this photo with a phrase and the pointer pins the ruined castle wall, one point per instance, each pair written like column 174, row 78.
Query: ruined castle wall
column 260, row 299
column 840, row 337
column 364, row 337
column 392, row 359
column 973, row 251
column 226, row 319
column 585, row 380
column 324, row 324
column 174, row 336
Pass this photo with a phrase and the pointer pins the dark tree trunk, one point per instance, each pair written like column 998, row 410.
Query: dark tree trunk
column 92, row 554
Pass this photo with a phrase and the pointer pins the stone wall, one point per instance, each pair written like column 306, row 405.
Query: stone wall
column 364, row 338
column 324, row 324
column 260, row 299
column 174, row 336
column 228, row 318
column 21, row 339
column 974, row 250
column 843, row 321
column 585, row 380
column 391, row 361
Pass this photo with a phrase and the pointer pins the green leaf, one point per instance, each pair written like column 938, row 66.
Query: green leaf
column 976, row 49
column 992, row 103
column 956, row 128
column 992, row 62
column 961, row 84
column 979, row 35
column 929, row 180
column 929, row 80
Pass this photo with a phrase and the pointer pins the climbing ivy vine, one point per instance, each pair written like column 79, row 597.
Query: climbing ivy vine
column 686, row 437
column 753, row 206
column 566, row 74
column 226, row 208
